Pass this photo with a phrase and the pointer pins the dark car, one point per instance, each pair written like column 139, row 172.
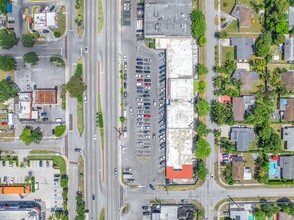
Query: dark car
column 162, row 80
column 45, row 31
column 162, row 66
column 139, row 67
column 45, row 119
column 139, row 71
column 47, row 163
column 151, row 186
column 40, row 163
column 78, row 150
column 162, row 71
column 146, row 213
column 147, row 103
column 139, row 91
column 147, row 80
column 162, row 162
column 3, row 163
column 125, row 85
column 139, row 63
column 139, row 59
column 53, row 131
column 161, row 54
column 146, row 95
column 125, row 94
column 162, row 77
column 43, row 114
column 145, row 207
column 11, row 28
column 11, row 22
column 52, row 8
column 93, row 196
column 125, row 76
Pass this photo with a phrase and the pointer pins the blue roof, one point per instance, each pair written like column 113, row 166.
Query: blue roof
column 9, row 7
column 285, row 101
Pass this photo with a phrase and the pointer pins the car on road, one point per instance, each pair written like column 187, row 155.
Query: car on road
column 125, row 58
column 147, row 116
column 211, row 175
column 78, row 150
column 151, row 186
column 94, row 137
column 131, row 110
column 86, row 49
column 115, row 171
column 93, row 197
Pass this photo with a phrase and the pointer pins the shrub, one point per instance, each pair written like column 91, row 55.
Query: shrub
column 59, row 130
column 57, row 34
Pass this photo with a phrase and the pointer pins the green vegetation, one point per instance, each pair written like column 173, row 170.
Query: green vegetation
column 64, row 181
column 75, row 86
column 100, row 119
column 102, row 214
column 80, row 207
column 224, row 83
column 227, row 174
column 59, row 61
column 100, row 16
column 63, row 96
column 228, row 53
column 80, row 115
column 202, row 107
column 8, row 89
column 201, row 171
column 199, row 26
column 262, row 168
column 221, row 35
column 29, row 135
column 202, row 87
column 28, row 40
column 31, row 57
column 33, row 184
column 3, row 4
column 79, row 70
column 202, row 129
column 7, row 63
column 125, row 208
column 122, row 119
column 227, row 145
column 203, row 149
column 262, row 46
column 152, row 45
column 62, row 22
column 57, row 34
column 8, row 38
column 196, row 85
column 80, row 17
column 222, row 113
column 201, row 69
column 59, row 130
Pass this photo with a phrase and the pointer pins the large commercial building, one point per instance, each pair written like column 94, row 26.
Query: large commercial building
column 180, row 107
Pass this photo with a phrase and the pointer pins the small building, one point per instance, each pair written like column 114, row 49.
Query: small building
column 286, row 164
column 289, row 50
column 24, row 104
column 244, row 47
column 287, row 109
column 288, row 138
column 237, row 168
column 47, row 19
column 244, row 15
column 247, row 173
column 288, row 79
column 242, row 105
column 238, row 214
column 242, row 137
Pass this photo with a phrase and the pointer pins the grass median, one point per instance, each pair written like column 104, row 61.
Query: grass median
column 102, row 214
column 100, row 122
column 80, row 105
column 81, row 27
column 100, row 16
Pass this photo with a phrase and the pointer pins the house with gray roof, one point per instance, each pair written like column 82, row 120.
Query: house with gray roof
column 244, row 46
column 242, row 137
column 286, row 164
column 288, row 138
column 289, row 50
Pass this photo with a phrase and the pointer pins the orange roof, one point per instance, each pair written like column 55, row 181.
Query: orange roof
column 225, row 99
column 46, row 96
column 185, row 173
column 15, row 190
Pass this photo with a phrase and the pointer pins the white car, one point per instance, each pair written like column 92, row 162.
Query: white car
column 138, row 75
column 148, row 76
column 140, row 103
column 125, row 58
column 11, row 18
column 94, row 137
column 131, row 110
column 86, row 49
column 140, row 115
column 139, row 99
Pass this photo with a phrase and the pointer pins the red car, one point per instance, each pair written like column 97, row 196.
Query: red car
column 4, row 123
column 139, row 80
column 147, row 84
column 147, row 116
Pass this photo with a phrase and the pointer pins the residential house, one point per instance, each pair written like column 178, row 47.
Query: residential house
column 289, row 50
column 247, row 78
column 288, row 138
column 242, row 105
column 286, row 164
column 244, row 47
column 237, row 168
column 287, row 109
column 244, row 15
column 288, row 79
column 242, row 137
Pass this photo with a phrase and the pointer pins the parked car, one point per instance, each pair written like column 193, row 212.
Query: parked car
column 45, row 31
column 52, row 8
column 79, row 150
column 43, row 114
column 161, row 54
column 139, row 91
column 151, row 186
column 147, row 116
column 11, row 22
column 147, row 84
column 53, row 131
column 45, row 119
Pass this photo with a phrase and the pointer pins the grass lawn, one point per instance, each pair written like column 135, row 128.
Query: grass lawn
column 81, row 13
column 80, row 116
column 277, row 128
column 227, row 5
column 233, row 27
column 62, row 23
column 59, row 161
column 100, row 16
column 81, row 173
column 42, row 152
column 196, row 85
column 228, row 53
column 202, row 59
column 102, row 214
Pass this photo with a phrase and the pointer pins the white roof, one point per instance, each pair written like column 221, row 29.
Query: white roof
column 180, row 114
column 50, row 19
column 179, row 144
column 40, row 20
column 180, row 89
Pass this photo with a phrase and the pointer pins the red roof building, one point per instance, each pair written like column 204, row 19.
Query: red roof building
column 185, row 173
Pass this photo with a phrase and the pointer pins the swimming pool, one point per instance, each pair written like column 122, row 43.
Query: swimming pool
column 250, row 217
column 273, row 169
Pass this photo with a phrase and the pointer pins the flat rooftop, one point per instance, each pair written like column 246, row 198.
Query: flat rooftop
column 180, row 114
column 179, row 150
column 179, row 56
column 180, row 89
column 18, row 214
column 167, row 18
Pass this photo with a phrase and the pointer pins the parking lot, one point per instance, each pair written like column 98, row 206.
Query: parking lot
column 145, row 105
column 47, row 182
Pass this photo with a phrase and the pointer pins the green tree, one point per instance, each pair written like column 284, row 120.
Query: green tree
column 270, row 209
column 227, row 145
column 228, row 67
column 282, row 27
column 262, row 46
column 8, row 90
column 259, row 214
column 202, row 86
column 202, row 129
column 29, row 136
column 36, row 136
column 79, row 20
column 64, row 181
column 8, row 39
column 76, row 87
column 202, row 107
column 222, row 113
column 227, row 174
column 198, row 24
column 201, row 69
column 279, row 39
column 201, row 171
column 59, row 130
column 79, row 70
column 28, row 40
column 257, row 5
column 262, row 168
column 57, row 34
column 7, row 63
column 31, row 57
column 202, row 41
column 203, row 149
